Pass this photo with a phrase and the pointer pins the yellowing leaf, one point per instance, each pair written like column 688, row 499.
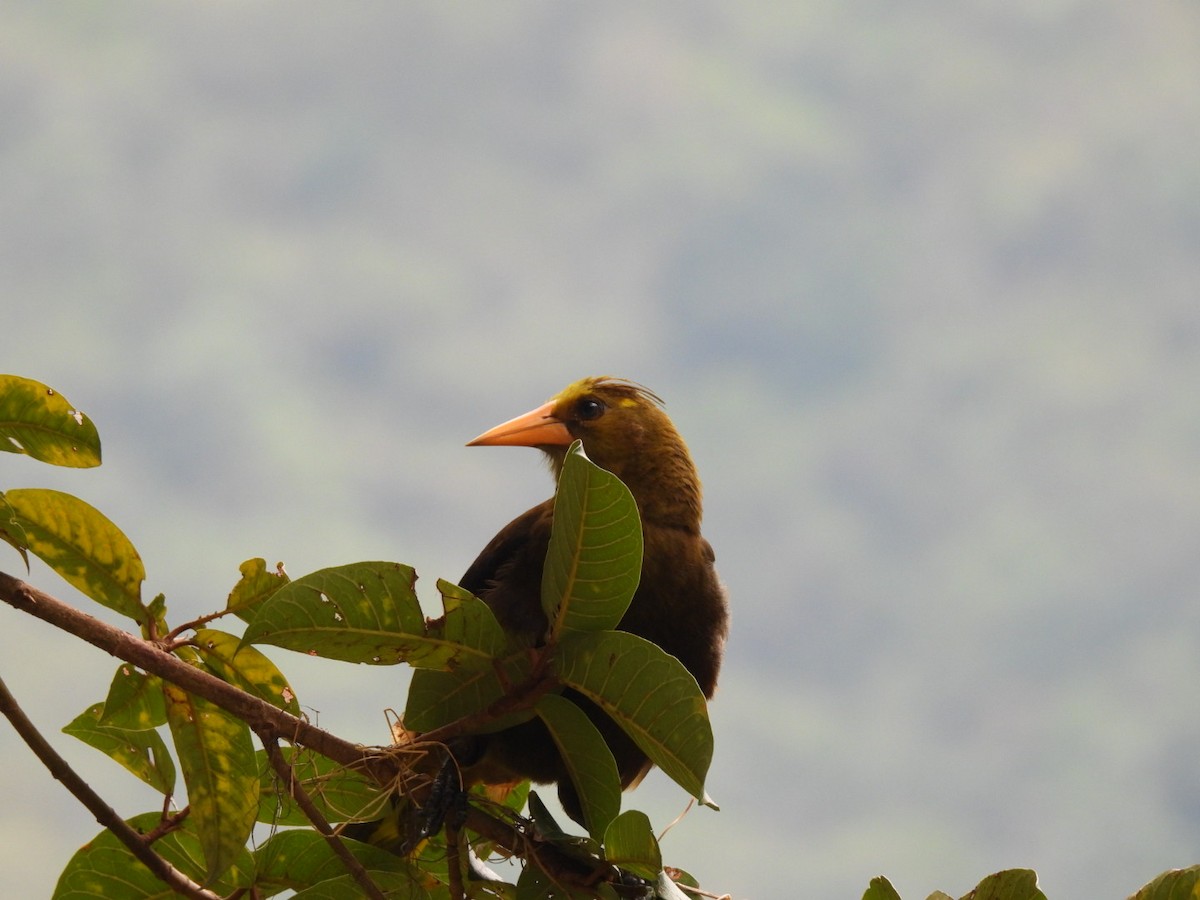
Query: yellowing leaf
column 218, row 763
column 141, row 752
column 256, row 585
column 134, row 701
column 105, row 869
column 245, row 667
column 11, row 532
column 38, row 421
column 83, row 546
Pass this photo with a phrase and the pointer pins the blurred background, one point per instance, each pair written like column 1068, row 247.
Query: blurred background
column 919, row 283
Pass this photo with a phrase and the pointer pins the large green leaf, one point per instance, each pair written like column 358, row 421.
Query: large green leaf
column 38, row 421
column 142, row 752
column 594, row 560
column 105, row 869
column 245, row 667
column 368, row 613
column 256, row 585
column 83, row 546
column 219, row 769
column 649, row 694
column 629, row 844
column 588, row 759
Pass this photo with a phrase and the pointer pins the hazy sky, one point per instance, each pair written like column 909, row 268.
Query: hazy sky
column 917, row 283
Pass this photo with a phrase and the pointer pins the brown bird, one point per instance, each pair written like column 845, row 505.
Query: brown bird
column 679, row 605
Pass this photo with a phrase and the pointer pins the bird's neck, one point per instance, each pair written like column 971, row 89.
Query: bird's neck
column 666, row 488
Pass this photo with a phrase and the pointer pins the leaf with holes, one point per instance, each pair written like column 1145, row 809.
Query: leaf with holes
column 246, row 667
column 368, row 613
column 256, row 585
column 38, row 421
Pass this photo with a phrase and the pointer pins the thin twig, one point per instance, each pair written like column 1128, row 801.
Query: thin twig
column 284, row 771
column 105, row 814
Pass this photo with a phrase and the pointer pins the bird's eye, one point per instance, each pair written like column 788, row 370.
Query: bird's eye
column 589, row 408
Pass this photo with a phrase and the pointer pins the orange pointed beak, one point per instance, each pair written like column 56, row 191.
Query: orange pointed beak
column 536, row 428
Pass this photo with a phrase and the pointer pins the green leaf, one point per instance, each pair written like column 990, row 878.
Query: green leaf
column 437, row 698
column 649, row 694
column 256, row 585
column 83, row 546
column 1013, row 884
column 105, row 869
column 468, row 622
column 594, row 560
column 1177, row 884
column 38, row 421
column 368, row 613
column 880, row 889
column 141, row 752
column 296, row 858
column 11, row 532
column 246, row 667
column 534, row 884
column 588, row 760
column 629, row 844
column 134, row 701
column 217, row 759
column 395, row 885
column 340, row 794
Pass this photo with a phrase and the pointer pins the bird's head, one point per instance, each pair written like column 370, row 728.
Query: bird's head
column 623, row 429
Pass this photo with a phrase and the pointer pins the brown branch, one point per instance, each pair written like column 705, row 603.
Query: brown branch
column 260, row 715
column 285, row 773
column 105, row 814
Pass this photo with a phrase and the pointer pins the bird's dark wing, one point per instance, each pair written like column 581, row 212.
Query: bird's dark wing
column 507, row 574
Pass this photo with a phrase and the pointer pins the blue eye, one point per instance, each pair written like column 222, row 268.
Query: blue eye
column 589, row 408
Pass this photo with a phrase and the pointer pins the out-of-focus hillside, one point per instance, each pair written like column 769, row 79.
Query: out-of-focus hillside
column 918, row 282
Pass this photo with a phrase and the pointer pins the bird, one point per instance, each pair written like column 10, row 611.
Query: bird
column 680, row 603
